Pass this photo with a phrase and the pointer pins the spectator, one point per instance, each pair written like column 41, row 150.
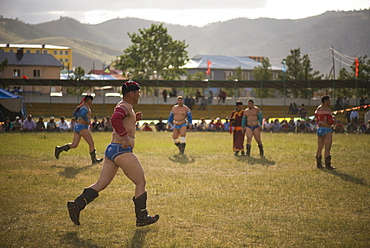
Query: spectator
column 187, row 101
column 197, row 96
column 8, row 125
column 160, row 126
column 302, row 128
column 218, row 125
column 295, row 108
column 63, row 125
column 210, row 97
column 29, row 125
column 226, row 125
column 362, row 127
column 368, row 128
column 276, row 127
column 22, row 120
column 313, row 126
column 146, row 128
column 17, row 125
column 40, row 125
column 211, row 126
column 268, row 125
column 354, row 116
column 352, row 127
column 51, row 125
column 73, row 124
column 202, row 126
column 164, row 94
column 308, row 126
column 108, row 125
column 103, row 123
column 302, row 112
column 203, row 103
column 285, row 126
column 96, row 125
column 339, row 127
column 290, row 110
column 291, row 126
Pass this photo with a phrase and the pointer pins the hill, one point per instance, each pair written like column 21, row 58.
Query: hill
column 346, row 31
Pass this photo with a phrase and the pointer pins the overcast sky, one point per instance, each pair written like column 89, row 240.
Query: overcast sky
column 186, row 12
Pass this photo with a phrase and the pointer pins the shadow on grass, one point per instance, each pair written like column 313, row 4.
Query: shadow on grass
column 347, row 178
column 183, row 159
column 71, row 238
column 252, row 161
column 70, row 172
column 138, row 240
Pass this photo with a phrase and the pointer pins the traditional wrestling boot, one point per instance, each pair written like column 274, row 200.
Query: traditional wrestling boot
column 319, row 163
column 59, row 149
column 94, row 159
column 75, row 207
column 142, row 217
column 261, row 150
column 248, row 154
column 328, row 163
column 182, row 148
column 236, row 153
column 242, row 153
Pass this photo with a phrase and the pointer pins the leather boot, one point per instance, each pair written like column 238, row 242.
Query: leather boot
column 319, row 163
column 59, row 149
column 94, row 159
column 261, row 150
column 328, row 163
column 75, row 207
column 248, row 154
column 142, row 217
column 182, row 148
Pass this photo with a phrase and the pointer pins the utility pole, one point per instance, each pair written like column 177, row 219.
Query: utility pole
column 332, row 55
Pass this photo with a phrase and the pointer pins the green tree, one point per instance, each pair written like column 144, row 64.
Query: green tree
column 78, row 74
column 263, row 73
column 4, row 65
column 154, row 53
column 299, row 68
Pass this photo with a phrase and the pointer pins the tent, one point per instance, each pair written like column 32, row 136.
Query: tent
column 10, row 105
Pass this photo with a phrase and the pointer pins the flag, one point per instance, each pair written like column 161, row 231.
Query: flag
column 356, row 63
column 209, row 63
column 107, row 70
column 24, row 77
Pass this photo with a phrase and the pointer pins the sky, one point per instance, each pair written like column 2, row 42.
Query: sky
column 189, row 12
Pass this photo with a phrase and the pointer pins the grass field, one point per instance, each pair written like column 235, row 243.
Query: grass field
column 206, row 198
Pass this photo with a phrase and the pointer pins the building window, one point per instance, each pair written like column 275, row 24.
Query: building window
column 65, row 52
column 37, row 51
column 55, row 52
column 28, row 51
column 1, row 50
column 16, row 73
column 11, row 50
column 45, row 52
column 246, row 75
column 60, row 52
column 66, row 60
column 228, row 75
column 61, row 60
column 36, row 73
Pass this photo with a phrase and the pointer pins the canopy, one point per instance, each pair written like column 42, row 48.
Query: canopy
column 10, row 105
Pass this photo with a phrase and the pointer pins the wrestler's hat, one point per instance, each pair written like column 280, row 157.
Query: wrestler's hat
column 130, row 86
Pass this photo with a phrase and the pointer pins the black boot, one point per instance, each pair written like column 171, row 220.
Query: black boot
column 236, row 153
column 242, row 153
column 75, row 207
column 182, row 148
column 328, row 163
column 261, row 150
column 248, row 151
column 142, row 217
column 59, row 149
column 318, row 162
column 93, row 157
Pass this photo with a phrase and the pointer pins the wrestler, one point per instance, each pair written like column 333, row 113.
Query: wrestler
column 83, row 115
column 325, row 120
column 252, row 126
column 119, row 155
column 178, row 115
column 238, row 134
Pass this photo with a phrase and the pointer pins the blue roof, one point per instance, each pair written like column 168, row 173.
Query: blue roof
column 7, row 94
column 31, row 59
column 224, row 62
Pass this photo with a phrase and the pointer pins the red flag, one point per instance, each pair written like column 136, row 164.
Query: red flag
column 24, row 77
column 356, row 63
column 209, row 63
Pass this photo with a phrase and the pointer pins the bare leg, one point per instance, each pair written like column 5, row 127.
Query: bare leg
column 107, row 174
column 320, row 146
column 249, row 134
column 327, row 141
column 75, row 141
column 257, row 136
column 88, row 138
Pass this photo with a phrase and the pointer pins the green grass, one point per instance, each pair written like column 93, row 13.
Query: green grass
column 207, row 198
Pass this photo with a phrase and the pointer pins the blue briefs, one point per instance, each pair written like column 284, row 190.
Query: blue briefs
column 182, row 125
column 321, row 131
column 253, row 127
column 80, row 127
column 114, row 149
